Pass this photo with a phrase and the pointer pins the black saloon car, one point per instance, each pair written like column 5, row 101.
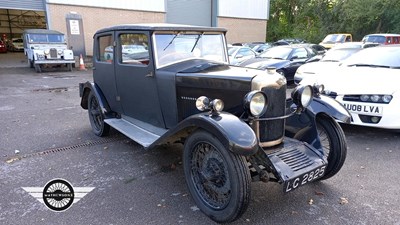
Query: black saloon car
column 286, row 59
column 235, row 123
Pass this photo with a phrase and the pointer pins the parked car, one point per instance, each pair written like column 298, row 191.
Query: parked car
column 3, row 47
column 319, row 49
column 286, row 59
column 230, row 119
column 126, row 50
column 46, row 48
column 16, row 44
column 262, row 47
column 238, row 54
column 331, row 58
column 366, row 84
column 384, row 39
column 355, row 44
column 331, row 39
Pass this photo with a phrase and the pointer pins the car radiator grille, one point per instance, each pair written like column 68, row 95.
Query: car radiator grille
column 271, row 130
column 53, row 53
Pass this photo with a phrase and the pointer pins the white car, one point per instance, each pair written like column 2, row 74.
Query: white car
column 367, row 84
column 238, row 54
column 332, row 58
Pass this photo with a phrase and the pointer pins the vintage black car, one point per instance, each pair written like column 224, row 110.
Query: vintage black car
column 235, row 123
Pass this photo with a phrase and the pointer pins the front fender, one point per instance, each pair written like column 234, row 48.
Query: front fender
column 331, row 107
column 303, row 126
column 234, row 134
column 84, row 91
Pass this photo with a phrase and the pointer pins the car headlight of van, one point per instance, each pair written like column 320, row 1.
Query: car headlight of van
column 47, row 51
column 256, row 103
column 60, row 51
column 302, row 96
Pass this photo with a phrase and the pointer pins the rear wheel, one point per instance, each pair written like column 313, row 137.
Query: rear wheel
column 218, row 180
column 96, row 117
column 333, row 143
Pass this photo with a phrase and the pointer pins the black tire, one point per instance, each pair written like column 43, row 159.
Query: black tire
column 69, row 67
column 96, row 117
column 38, row 68
column 217, row 179
column 333, row 143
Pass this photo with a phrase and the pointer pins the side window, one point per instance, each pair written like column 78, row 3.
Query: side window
column 134, row 49
column 389, row 40
column 245, row 52
column 301, row 53
column 105, row 49
column 396, row 40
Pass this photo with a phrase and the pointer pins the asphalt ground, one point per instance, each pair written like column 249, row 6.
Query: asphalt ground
column 45, row 134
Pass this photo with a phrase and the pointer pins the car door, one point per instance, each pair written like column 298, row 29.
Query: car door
column 135, row 78
column 297, row 58
column 103, row 70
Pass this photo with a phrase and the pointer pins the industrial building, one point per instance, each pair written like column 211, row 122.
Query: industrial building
column 245, row 21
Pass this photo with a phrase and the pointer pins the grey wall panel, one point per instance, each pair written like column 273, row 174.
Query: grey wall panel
column 191, row 12
column 37, row 5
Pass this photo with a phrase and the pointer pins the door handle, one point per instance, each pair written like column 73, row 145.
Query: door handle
column 149, row 74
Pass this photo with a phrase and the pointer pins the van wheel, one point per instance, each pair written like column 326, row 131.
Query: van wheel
column 38, row 68
column 333, row 143
column 217, row 179
column 96, row 117
column 69, row 67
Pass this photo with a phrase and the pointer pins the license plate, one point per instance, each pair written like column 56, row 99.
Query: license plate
column 303, row 179
column 364, row 109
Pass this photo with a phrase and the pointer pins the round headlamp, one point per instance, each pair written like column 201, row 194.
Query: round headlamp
column 60, row 51
column 217, row 105
column 202, row 103
column 319, row 88
column 256, row 103
column 302, row 96
column 47, row 51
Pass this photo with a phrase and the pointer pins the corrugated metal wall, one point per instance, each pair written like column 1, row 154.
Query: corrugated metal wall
column 191, row 12
column 36, row 5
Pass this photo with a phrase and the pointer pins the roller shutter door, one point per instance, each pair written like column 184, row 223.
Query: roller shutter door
column 36, row 5
column 191, row 12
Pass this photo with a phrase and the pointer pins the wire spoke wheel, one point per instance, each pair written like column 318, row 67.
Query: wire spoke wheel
column 209, row 173
column 333, row 143
column 218, row 180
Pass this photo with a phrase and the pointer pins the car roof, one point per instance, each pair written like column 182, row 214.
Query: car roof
column 41, row 31
column 161, row 27
column 385, row 35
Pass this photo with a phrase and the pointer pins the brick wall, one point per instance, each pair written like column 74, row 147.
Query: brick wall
column 243, row 30
column 97, row 18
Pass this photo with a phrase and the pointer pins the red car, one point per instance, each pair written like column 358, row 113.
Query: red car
column 3, row 48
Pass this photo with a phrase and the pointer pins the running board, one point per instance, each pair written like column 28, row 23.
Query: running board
column 296, row 163
column 137, row 133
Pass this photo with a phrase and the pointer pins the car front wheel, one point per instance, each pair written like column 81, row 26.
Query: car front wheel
column 333, row 143
column 218, row 180
column 96, row 117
